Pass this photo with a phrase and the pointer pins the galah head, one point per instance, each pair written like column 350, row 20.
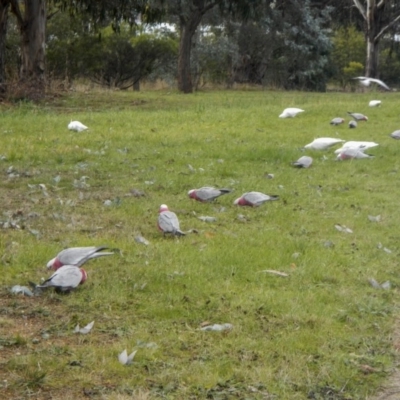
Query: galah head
column 192, row 193
column 163, row 208
column 55, row 263
column 84, row 276
column 240, row 202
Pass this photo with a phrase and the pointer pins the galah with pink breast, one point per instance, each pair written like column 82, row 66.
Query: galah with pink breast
column 77, row 256
column 168, row 221
column 254, row 199
column 207, row 194
column 65, row 279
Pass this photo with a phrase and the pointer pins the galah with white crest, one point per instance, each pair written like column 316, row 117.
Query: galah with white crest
column 77, row 126
column 290, row 112
column 358, row 116
column 65, row 279
column 352, row 124
column 395, row 135
column 359, row 145
column 168, row 221
column 352, row 153
column 254, row 199
column 77, row 256
column 337, row 121
column 207, row 194
column 366, row 81
column 322, row 143
column 375, row 103
column 303, row 162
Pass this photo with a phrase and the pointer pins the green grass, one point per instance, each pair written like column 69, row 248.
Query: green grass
column 309, row 335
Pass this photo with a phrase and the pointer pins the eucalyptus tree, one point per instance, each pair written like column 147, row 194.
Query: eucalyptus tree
column 4, row 6
column 379, row 17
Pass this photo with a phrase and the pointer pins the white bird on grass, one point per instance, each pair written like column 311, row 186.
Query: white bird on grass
column 395, row 135
column 168, row 221
column 254, row 199
column 365, row 81
column 358, row 145
column 207, row 194
column 322, row 143
column 76, row 256
column 375, row 103
column 303, row 162
column 77, row 126
column 352, row 153
column 290, row 112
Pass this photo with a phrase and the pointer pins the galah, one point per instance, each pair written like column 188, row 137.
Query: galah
column 358, row 116
column 77, row 126
column 374, row 103
column 352, row 124
column 356, row 145
column 290, row 112
column 337, row 121
column 66, row 278
column 303, row 162
column 168, row 221
column 254, row 199
column 207, row 194
column 322, row 143
column 366, row 81
column 352, row 153
column 395, row 135
column 77, row 256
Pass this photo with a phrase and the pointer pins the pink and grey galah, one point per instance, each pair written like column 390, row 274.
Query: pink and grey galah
column 303, row 162
column 254, row 199
column 207, row 194
column 66, row 278
column 352, row 153
column 168, row 221
column 77, row 256
column 358, row 116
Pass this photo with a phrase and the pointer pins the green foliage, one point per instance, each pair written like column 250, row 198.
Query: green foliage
column 348, row 54
column 310, row 334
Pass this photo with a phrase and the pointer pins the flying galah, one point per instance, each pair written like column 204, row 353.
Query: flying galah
column 374, row 103
column 337, row 121
column 358, row 116
column 365, row 81
column 76, row 256
column 351, row 153
column 254, row 199
column 206, row 194
column 168, row 221
column 290, row 112
column 395, row 135
column 322, row 143
column 77, row 126
column 303, row 162
column 65, row 278
column 358, row 145
column 352, row 124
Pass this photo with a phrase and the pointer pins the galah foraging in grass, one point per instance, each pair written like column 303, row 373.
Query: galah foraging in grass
column 168, row 221
column 375, row 103
column 352, row 153
column 353, row 124
column 358, row 145
column 322, row 143
column 254, row 199
column 77, row 126
column 337, row 121
column 395, row 135
column 77, row 256
column 207, row 194
column 358, row 116
column 303, row 162
column 66, row 278
column 365, row 81
column 290, row 112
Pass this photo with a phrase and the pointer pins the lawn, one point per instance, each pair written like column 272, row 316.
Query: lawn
column 321, row 332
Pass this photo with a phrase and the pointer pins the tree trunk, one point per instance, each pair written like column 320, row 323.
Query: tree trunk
column 188, row 29
column 4, row 5
column 33, row 31
column 371, row 68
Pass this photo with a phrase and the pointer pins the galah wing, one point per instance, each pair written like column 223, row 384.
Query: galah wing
column 254, row 199
column 77, row 256
column 168, row 221
column 206, row 194
column 65, row 278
